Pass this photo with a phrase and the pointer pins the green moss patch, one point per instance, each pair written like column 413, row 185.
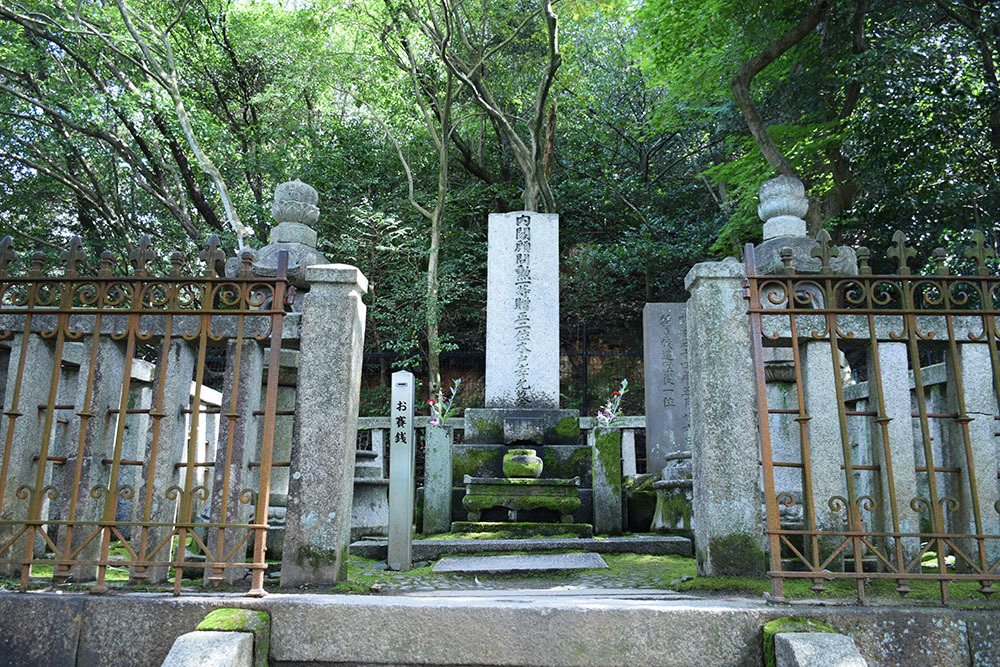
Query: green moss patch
column 737, row 555
column 475, row 463
column 789, row 624
column 243, row 620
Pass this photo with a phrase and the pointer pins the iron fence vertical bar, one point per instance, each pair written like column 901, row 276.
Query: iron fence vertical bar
column 882, row 420
column 267, row 440
column 763, row 426
column 111, row 499
column 37, row 493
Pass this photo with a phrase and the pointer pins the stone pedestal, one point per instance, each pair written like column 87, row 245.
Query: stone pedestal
column 522, row 311
column 525, row 494
column 727, row 498
column 673, row 495
column 318, row 520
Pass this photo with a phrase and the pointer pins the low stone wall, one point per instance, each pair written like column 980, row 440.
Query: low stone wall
column 77, row 629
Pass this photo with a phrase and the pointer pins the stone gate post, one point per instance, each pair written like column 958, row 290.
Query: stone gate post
column 727, row 499
column 321, row 489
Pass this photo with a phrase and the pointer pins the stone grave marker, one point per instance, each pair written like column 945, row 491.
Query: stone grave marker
column 402, row 461
column 665, row 360
column 522, row 311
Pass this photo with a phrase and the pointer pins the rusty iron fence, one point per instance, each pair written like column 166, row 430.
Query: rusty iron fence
column 98, row 469
column 893, row 479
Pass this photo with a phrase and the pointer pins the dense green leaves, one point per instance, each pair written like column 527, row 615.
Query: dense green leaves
column 889, row 111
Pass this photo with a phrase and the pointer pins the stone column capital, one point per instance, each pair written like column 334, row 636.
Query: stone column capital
column 728, row 268
column 337, row 274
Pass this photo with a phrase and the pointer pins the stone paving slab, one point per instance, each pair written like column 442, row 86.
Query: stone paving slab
column 530, row 563
column 434, row 549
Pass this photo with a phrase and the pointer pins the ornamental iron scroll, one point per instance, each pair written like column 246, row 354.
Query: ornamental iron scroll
column 867, row 479
column 103, row 430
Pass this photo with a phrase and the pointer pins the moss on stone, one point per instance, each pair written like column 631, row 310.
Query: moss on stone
column 243, row 620
column 487, row 430
column 737, row 555
column 567, row 430
column 578, row 464
column 789, row 624
column 607, row 452
column 474, row 462
column 317, row 558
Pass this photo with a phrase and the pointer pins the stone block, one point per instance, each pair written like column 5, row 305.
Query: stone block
column 40, row 630
column 816, row 649
column 293, row 232
column 256, row 623
column 522, row 311
column 520, row 564
column 211, row 649
column 492, row 426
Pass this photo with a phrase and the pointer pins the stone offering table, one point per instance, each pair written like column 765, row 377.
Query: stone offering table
column 559, row 495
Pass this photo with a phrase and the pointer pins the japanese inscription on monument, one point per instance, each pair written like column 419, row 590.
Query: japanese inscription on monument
column 666, row 374
column 522, row 311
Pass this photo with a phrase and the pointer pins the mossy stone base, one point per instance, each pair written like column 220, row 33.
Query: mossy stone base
column 488, row 426
column 559, row 495
column 789, row 624
column 735, row 555
column 243, row 620
column 524, row 529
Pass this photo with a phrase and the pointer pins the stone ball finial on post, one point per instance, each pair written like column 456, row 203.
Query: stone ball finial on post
column 294, row 210
column 783, row 207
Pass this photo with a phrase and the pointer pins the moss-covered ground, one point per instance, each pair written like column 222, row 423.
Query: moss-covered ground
column 673, row 573
column 664, row 573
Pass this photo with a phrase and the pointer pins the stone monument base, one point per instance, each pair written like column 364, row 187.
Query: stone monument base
column 522, row 425
column 519, row 495
column 524, row 529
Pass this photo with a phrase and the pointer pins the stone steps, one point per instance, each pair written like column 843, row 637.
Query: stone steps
column 434, row 549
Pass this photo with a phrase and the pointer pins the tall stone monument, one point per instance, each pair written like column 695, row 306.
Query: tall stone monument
column 522, row 335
